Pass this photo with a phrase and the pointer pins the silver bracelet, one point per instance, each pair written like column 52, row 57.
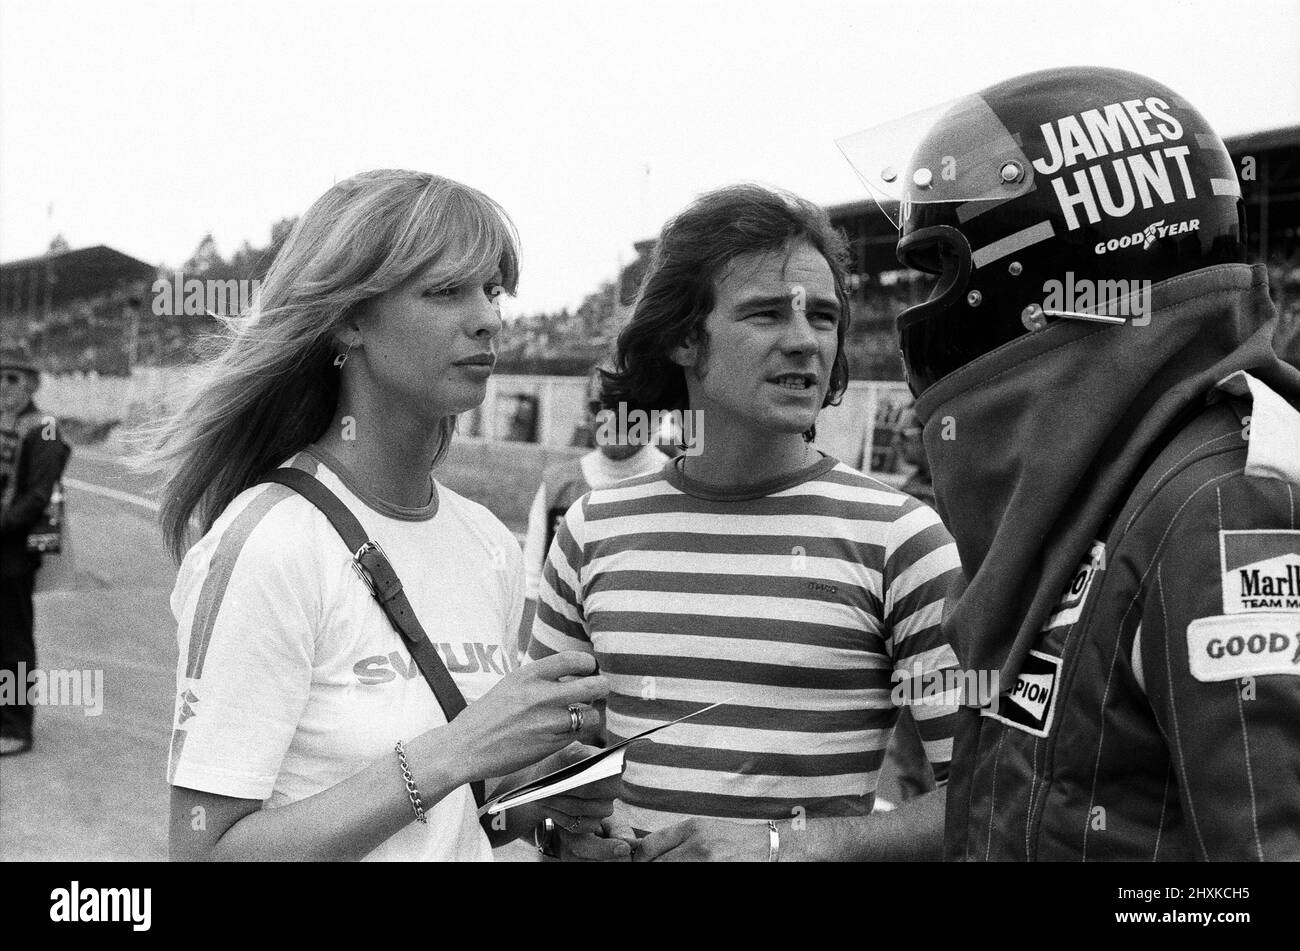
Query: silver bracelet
column 773, row 841
column 411, row 789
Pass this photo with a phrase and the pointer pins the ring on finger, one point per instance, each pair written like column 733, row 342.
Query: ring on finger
column 575, row 718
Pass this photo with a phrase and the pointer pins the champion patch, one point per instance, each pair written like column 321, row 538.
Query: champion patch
column 1260, row 570
column 1243, row 645
column 1032, row 701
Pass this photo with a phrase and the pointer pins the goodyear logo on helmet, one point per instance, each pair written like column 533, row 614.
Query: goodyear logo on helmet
column 1120, row 186
column 1148, row 236
column 1260, row 570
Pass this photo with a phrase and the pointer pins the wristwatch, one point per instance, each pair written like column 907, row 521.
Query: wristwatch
column 545, row 838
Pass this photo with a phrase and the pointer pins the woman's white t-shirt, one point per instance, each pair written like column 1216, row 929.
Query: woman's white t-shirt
column 290, row 677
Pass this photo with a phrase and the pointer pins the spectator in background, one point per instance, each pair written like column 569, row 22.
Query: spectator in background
column 566, row 482
column 32, row 457
column 911, row 450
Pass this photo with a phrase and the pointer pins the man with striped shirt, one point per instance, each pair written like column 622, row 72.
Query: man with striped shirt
column 752, row 569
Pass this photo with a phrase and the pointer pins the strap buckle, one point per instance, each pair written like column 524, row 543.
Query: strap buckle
column 362, row 573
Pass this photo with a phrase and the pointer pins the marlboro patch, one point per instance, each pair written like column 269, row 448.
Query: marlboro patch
column 1260, row 570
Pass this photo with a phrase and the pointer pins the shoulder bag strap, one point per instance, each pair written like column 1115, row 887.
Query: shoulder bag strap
column 372, row 566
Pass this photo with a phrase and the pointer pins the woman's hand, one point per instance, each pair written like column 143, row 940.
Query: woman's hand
column 579, row 810
column 587, row 831
column 525, row 717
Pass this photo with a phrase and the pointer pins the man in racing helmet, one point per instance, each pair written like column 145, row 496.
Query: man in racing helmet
column 1115, row 447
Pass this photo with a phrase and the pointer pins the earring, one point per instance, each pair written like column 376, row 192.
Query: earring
column 342, row 358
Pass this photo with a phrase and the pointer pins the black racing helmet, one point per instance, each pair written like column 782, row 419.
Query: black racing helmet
column 1064, row 193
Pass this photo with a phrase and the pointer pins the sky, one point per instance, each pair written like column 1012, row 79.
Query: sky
column 145, row 125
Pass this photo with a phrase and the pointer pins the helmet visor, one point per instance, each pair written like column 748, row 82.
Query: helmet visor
column 956, row 152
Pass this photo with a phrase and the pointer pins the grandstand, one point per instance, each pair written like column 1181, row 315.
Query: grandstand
column 75, row 309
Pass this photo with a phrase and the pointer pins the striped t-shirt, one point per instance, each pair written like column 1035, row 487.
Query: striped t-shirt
column 797, row 598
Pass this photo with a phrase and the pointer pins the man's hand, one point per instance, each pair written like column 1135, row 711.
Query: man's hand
column 615, row 842
column 579, row 811
column 706, row 840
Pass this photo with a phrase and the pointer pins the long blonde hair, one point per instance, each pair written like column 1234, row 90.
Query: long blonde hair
column 269, row 387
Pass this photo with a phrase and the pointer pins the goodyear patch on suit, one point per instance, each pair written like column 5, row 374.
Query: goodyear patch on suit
column 1231, row 646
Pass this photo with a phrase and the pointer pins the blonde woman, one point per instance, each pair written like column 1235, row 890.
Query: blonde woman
column 304, row 728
